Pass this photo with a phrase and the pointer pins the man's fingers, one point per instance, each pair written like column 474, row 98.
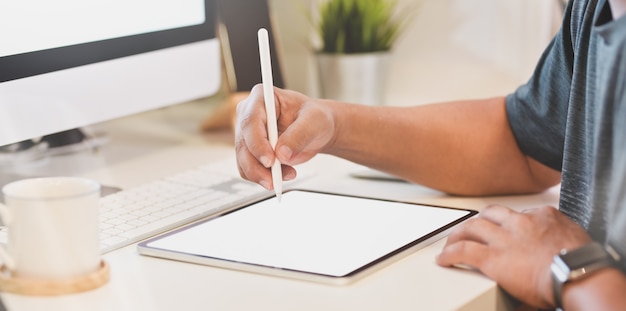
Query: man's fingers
column 464, row 253
column 469, row 243
column 252, row 170
column 289, row 173
column 252, row 129
column 497, row 214
column 477, row 229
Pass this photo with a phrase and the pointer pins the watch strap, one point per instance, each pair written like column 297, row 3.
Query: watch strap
column 571, row 265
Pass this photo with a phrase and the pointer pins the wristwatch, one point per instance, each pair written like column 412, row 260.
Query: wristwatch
column 573, row 265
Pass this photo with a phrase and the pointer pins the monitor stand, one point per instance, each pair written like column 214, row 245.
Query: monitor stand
column 35, row 157
column 69, row 141
column 72, row 141
column 65, row 138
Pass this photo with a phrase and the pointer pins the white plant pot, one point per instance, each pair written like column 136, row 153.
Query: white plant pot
column 355, row 78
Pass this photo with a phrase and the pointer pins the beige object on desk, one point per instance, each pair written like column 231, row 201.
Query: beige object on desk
column 224, row 116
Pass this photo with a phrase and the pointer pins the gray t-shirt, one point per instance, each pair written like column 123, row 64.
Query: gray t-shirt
column 571, row 116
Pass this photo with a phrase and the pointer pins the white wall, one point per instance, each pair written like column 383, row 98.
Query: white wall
column 453, row 49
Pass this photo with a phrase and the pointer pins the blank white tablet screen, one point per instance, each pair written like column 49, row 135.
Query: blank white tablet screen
column 312, row 232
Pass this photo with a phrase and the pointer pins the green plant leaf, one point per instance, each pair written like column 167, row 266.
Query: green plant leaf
column 359, row 26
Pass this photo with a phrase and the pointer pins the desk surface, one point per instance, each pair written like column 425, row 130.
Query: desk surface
column 160, row 143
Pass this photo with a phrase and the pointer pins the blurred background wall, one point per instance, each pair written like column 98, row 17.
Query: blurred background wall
column 452, row 49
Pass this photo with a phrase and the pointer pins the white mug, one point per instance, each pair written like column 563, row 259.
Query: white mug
column 52, row 227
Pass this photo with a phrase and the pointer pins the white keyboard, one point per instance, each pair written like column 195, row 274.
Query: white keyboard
column 134, row 214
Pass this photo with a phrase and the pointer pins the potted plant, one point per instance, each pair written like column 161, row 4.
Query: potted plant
column 356, row 38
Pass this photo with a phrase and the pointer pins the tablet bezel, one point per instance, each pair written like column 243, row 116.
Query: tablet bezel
column 145, row 249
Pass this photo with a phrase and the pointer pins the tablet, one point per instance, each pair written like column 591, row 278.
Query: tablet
column 315, row 236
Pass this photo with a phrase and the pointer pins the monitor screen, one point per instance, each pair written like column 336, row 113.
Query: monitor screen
column 71, row 63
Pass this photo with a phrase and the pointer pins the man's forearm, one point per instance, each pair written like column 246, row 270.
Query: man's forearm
column 459, row 147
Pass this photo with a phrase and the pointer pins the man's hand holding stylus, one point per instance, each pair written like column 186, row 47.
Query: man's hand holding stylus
column 306, row 127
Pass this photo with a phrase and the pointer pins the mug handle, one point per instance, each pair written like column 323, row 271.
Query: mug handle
column 7, row 218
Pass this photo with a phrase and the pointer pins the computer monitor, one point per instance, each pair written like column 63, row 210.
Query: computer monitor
column 66, row 64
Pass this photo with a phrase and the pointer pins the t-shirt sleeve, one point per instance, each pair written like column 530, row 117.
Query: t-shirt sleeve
column 617, row 217
column 537, row 110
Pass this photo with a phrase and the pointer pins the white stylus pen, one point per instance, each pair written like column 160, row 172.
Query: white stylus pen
column 270, row 109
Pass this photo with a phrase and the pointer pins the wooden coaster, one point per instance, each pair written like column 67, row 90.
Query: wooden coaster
column 35, row 287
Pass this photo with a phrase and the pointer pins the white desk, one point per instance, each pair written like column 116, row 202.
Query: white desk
column 161, row 143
